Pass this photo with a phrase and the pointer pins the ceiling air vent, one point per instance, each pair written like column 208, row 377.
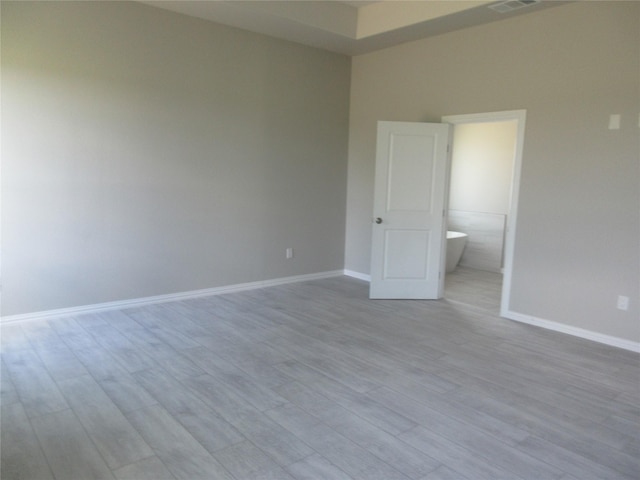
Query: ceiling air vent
column 511, row 5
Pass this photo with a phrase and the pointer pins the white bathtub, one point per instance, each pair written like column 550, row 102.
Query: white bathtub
column 455, row 246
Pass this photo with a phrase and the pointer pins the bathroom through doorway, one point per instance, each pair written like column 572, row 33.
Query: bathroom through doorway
column 483, row 199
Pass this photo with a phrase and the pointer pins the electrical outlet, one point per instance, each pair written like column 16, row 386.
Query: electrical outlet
column 289, row 253
column 623, row 303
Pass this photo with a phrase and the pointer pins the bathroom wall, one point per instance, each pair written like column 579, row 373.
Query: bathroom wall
column 480, row 189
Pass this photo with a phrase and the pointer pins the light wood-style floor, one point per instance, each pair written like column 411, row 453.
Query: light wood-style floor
column 314, row 381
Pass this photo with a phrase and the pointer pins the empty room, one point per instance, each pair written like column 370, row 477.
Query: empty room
column 248, row 240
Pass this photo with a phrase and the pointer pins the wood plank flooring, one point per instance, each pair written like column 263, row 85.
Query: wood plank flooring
column 315, row 381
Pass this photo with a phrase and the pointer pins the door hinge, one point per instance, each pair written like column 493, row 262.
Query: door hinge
column 448, row 148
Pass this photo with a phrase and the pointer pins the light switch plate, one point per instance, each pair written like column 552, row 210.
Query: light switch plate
column 614, row 121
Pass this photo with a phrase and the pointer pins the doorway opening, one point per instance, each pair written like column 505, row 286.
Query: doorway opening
column 483, row 201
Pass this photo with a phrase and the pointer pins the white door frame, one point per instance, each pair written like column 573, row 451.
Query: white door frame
column 510, row 237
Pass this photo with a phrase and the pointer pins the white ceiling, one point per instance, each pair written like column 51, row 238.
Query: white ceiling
column 348, row 27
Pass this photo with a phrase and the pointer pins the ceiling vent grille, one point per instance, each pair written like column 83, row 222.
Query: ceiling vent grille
column 511, row 5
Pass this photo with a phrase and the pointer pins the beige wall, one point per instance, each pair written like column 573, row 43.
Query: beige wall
column 570, row 67
column 146, row 152
column 482, row 166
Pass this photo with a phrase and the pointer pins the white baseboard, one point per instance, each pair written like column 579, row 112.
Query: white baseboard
column 548, row 324
column 358, row 275
column 138, row 302
column 575, row 331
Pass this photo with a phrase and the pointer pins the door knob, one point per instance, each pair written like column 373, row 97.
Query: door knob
column 378, row 220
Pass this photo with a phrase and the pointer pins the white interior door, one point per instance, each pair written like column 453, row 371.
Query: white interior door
column 409, row 234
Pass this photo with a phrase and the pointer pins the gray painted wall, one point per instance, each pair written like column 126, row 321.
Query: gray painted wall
column 570, row 67
column 146, row 152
